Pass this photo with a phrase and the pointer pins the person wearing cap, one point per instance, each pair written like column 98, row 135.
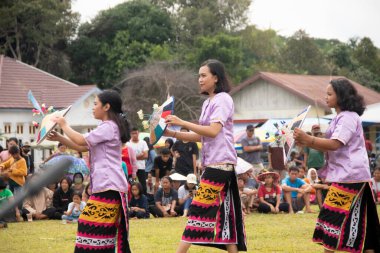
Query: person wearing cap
column 314, row 158
column 270, row 194
column 215, row 214
column 25, row 149
column 186, row 193
column 252, row 150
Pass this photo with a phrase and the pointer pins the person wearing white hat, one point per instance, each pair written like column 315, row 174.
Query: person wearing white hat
column 186, row 193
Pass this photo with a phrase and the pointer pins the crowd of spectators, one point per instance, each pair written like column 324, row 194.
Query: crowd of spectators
column 164, row 181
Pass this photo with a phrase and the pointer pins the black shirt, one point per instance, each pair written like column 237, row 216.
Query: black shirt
column 184, row 164
column 162, row 166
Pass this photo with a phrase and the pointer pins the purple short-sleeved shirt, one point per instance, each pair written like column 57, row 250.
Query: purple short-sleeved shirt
column 105, row 158
column 221, row 149
column 349, row 163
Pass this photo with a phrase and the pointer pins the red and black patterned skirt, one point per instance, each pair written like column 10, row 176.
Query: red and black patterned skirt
column 215, row 215
column 103, row 223
column 348, row 220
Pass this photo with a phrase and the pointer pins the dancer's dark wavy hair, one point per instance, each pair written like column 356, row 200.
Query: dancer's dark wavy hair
column 115, row 112
column 217, row 69
column 348, row 98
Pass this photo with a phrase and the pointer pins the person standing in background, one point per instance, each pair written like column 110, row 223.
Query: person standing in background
column 252, row 150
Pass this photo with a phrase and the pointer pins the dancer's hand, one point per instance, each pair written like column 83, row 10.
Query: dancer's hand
column 60, row 121
column 54, row 136
column 174, row 120
column 301, row 137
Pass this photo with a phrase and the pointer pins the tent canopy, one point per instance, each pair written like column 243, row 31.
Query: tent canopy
column 369, row 117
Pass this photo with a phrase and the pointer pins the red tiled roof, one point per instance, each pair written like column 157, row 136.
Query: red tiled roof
column 17, row 78
column 311, row 88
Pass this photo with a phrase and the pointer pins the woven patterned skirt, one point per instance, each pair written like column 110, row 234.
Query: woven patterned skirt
column 348, row 220
column 103, row 223
column 215, row 214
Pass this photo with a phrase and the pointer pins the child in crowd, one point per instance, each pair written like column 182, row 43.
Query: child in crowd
column 15, row 170
column 247, row 196
column 313, row 180
column 75, row 208
column 6, row 196
column 138, row 206
column 165, row 200
column 4, row 154
column 376, row 184
column 78, row 182
column 150, row 188
column 186, row 193
column 270, row 194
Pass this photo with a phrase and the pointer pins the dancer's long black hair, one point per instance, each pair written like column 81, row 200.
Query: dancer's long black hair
column 115, row 112
column 348, row 98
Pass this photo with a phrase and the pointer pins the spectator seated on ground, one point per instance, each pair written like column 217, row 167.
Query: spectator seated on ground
column 376, row 184
column 138, row 205
column 177, row 180
column 270, row 194
column 63, row 196
column 165, row 200
column 247, row 196
column 77, row 184
column 6, row 196
column 150, row 189
column 296, row 192
column 186, row 193
column 75, row 208
column 37, row 205
column 317, row 185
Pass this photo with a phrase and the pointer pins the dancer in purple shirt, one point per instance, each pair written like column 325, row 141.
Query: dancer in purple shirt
column 104, row 221
column 215, row 215
column 348, row 220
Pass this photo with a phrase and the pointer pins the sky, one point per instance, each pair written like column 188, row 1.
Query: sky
column 329, row 19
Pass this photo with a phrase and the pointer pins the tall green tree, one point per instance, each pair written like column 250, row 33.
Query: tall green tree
column 117, row 39
column 301, row 55
column 205, row 18
column 367, row 55
column 37, row 31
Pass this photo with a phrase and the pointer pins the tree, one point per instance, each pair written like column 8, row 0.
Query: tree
column 226, row 48
column 34, row 30
column 150, row 85
column 117, row 39
column 205, row 18
column 301, row 55
column 367, row 55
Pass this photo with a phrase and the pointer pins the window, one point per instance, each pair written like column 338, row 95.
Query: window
column 7, row 128
column 32, row 129
column 20, row 128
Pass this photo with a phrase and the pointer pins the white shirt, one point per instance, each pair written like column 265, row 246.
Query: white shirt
column 139, row 147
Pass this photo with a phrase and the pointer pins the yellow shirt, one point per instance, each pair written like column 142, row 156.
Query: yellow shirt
column 17, row 170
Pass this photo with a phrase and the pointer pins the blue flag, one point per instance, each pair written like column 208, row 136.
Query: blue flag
column 34, row 102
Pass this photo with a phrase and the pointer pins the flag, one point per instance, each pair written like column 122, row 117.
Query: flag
column 34, row 102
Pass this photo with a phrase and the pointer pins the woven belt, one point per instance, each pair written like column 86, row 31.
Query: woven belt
column 225, row 167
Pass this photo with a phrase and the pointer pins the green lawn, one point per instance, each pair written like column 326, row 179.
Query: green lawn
column 265, row 233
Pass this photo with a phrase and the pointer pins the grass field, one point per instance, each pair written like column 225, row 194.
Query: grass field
column 265, row 233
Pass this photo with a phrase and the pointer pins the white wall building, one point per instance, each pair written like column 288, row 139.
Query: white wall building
column 16, row 116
